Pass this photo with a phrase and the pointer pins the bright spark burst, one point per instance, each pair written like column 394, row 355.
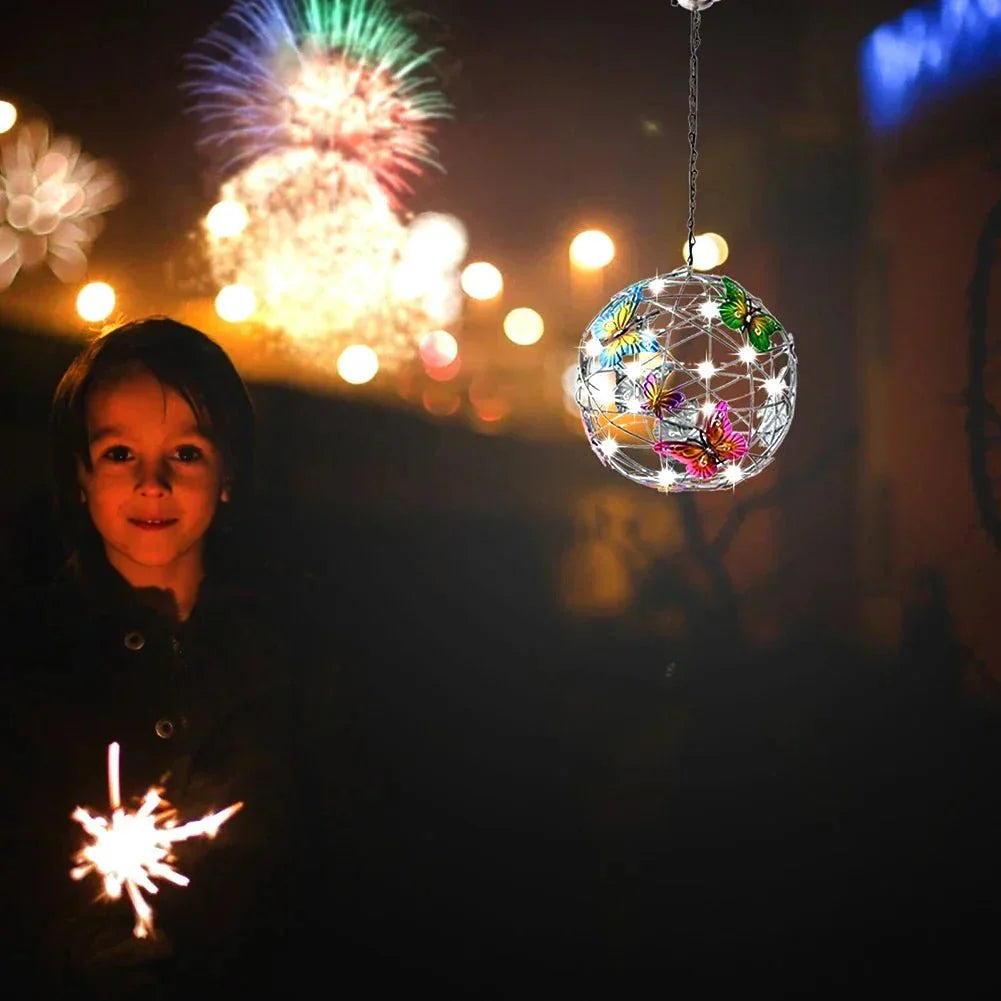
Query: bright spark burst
column 51, row 199
column 666, row 476
column 709, row 310
column 706, row 369
column 608, row 446
column 656, row 286
column 733, row 474
column 747, row 354
column 634, row 370
column 133, row 848
column 775, row 387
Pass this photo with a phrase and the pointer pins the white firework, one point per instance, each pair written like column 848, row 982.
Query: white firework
column 52, row 197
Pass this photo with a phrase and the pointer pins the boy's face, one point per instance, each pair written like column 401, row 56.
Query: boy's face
column 155, row 480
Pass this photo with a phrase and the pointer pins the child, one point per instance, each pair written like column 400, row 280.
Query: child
column 151, row 637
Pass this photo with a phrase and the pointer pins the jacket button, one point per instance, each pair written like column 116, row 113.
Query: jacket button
column 135, row 640
column 164, row 728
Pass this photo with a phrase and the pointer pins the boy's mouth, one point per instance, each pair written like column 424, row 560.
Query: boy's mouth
column 152, row 524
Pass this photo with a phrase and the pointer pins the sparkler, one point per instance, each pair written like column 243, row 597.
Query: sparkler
column 132, row 849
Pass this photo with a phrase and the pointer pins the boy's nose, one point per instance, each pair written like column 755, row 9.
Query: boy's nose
column 153, row 481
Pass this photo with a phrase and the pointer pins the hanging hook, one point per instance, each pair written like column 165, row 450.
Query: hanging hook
column 694, row 4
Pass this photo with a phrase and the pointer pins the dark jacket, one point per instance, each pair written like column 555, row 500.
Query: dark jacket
column 210, row 710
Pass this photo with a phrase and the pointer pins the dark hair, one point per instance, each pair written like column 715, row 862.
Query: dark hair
column 179, row 357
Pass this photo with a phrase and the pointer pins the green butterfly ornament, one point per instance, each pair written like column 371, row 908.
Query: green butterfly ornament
column 740, row 312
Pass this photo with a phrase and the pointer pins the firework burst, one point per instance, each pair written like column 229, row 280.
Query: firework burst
column 52, row 197
column 340, row 76
column 321, row 111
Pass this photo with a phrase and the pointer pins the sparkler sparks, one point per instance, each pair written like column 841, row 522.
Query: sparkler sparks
column 132, row 849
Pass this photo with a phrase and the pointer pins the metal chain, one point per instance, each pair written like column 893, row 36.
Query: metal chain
column 693, row 127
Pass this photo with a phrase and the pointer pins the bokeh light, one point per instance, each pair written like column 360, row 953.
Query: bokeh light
column 235, row 303
column 481, row 280
column 8, row 116
column 226, row 219
column 438, row 237
column 523, row 326
column 95, row 301
column 444, row 373
column 357, row 363
column 709, row 251
column 438, row 349
column 592, row 249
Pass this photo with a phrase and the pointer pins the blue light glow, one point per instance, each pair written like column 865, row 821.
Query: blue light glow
column 929, row 51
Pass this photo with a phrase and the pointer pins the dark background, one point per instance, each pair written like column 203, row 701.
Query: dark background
column 535, row 799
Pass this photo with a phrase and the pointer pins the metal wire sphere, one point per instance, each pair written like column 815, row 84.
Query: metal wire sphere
column 659, row 370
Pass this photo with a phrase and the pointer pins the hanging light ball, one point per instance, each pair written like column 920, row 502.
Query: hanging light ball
column 685, row 381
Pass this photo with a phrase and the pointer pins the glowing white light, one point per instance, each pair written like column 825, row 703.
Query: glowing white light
column 775, row 387
column 666, row 476
column 523, row 326
column 481, row 280
column 709, row 251
column 733, row 474
column 438, row 349
column 608, row 446
column 657, row 286
column 591, row 249
column 634, row 370
column 747, row 354
column 357, row 363
column 226, row 219
column 634, row 406
column 706, row 369
column 707, row 408
column 709, row 310
column 438, row 239
column 8, row 116
column 593, row 347
column 235, row 303
column 95, row 301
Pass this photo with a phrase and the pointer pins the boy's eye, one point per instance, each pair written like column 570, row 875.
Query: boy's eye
column 189, row 453
column 117, row 453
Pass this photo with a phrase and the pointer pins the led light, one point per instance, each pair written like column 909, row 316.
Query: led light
column 747, row 354
column 706, row 369
column 707, row 408
column 666, row 476
column 775, row 387
column 608, row 446
column 657, row 286
column 634, row 370
column 709, row 310
column 733, row 474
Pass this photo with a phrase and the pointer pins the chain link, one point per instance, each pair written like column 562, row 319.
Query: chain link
column 693, row 127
